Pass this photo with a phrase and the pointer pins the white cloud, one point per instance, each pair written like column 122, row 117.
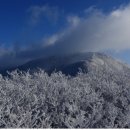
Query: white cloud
column 51, row 40
column 96, row 32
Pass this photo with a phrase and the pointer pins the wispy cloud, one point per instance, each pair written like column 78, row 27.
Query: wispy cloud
column 73, row 20
column 38, row 13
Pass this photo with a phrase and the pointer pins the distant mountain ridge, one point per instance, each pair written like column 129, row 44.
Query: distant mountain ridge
column 71, row 64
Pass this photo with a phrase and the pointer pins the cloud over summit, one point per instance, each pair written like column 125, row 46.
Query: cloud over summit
column 93, row 31
column 97, row 32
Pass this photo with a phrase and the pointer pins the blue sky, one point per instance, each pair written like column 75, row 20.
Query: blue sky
column 14, row 17
column 32, row 22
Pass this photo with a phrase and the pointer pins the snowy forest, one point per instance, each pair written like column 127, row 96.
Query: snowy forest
column 97, row 99
column 64, row 64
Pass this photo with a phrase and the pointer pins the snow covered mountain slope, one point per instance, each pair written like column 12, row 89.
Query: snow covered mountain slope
column 71, row 64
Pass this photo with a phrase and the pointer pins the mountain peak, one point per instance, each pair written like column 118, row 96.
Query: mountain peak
column 71, row 64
